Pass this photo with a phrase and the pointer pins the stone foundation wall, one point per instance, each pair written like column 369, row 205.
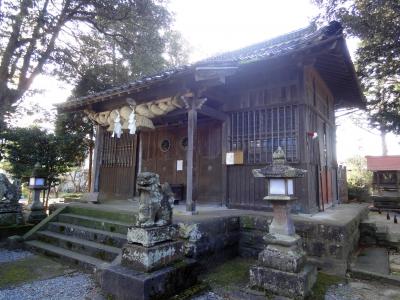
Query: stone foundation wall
column 212, row 240
column 326, row 244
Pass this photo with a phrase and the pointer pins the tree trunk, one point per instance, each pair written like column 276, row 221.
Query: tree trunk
column 46, row 206
column 383, row 142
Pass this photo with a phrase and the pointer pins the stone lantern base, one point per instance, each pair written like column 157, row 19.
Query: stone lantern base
column 282, row 268
column 34, row 216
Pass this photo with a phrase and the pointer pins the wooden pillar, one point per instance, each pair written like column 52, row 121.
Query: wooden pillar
column 224, row 149
column 191, row 187
column 90, row 165
column 98, row 147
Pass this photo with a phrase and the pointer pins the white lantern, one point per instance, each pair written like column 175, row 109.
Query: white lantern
column 37, row 182
column 281, row 186
column 290, row 188
column 277, row 186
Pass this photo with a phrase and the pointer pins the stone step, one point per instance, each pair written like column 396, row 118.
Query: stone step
column 95, row 235
column 101, row 213
column 373, row 259
column 99, row 251
column 81, row 260
column 95, row 223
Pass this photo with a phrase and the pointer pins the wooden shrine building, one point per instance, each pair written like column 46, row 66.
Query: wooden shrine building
column 385, row 180
column 204, row 127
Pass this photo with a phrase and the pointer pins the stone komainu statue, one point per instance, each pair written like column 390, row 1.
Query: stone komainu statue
column 9, row 193
column 155, row 201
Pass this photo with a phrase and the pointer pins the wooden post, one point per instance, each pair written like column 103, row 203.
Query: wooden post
column 191, row 170
column 98, row 147
column 224, row 149
column 90, row 165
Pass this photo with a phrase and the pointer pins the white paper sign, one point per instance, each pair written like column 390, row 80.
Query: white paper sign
column 230, row 158
column 179, row 165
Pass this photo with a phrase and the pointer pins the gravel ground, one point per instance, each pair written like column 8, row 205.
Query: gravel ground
column 363, row 290
column 73, row 287
column 8, row 256
column 207, row 296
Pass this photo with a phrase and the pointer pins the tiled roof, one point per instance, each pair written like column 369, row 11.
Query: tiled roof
column 383, row 163
column 278, row 46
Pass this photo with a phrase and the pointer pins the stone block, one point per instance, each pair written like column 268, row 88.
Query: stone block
column 149, row 236
column 14, row 242
column 282, row 239
column 126, row 284
column 10, row 214
column 7, row 219
column 288, row 259
column 293, row 285
column 147, row 259
column 255, row 222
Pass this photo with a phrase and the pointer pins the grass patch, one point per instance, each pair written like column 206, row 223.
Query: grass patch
column 324, row 281
column 29, row 269
column 190, row 292
column 232, row 273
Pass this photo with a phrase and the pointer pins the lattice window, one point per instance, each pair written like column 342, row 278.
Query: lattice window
column 258, row 133
column 118, row 152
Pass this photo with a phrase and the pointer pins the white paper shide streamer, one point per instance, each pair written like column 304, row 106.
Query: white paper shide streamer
column 117, row 126
column 132, row 122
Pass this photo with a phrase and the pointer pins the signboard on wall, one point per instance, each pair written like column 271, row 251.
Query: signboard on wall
column 234, row 158
column 179, row 165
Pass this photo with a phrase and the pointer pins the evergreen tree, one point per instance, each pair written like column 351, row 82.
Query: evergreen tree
column 377, row 24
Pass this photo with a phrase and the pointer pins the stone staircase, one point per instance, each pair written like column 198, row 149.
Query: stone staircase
column 88, row 237
column 382, row 233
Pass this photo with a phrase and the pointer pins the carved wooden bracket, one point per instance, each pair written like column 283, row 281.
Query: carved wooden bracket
column 193, row 103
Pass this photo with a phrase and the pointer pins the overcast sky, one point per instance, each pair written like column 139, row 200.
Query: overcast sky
column 213, row 26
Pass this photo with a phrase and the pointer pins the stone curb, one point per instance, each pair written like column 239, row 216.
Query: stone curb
column 362, row 274
column 31, row 232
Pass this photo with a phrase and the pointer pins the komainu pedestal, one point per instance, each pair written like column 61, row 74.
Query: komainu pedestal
column 153, row 265
column 152, row 248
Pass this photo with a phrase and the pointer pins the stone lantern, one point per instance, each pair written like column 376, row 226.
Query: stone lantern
column 282, row 267
column 37, row 183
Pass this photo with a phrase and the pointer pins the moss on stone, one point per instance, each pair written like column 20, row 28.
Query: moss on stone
column 29, row 269
column 108, row 241
column 232, row 273
column 126, row 217
column 247, row 222
column 190, row 292
column 180, row 264
column 324, row 281
column 101, row 255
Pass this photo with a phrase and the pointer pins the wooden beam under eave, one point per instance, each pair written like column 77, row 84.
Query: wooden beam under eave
column 213, row 113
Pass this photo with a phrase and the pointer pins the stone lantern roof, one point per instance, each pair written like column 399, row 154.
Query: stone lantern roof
column 37, row 170
column 279, row 169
